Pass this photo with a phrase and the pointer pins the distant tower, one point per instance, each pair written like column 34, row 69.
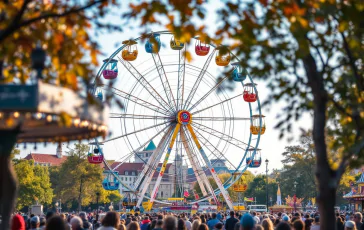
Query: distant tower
column 279, row 200
column 144, row 155
column 59, row 151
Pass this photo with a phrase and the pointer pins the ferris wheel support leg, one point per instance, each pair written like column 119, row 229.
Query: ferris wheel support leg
column 154, row 158
column 212, row 170
column 145, row 185
column 181, row 78
column 196, row 168
column 164, row 165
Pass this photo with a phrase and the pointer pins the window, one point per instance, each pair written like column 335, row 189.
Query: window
column 126, row 173
column 122, row 178
column 162, row 194
column 133, row 173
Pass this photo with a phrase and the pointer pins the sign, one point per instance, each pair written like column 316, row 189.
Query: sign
column 18, row 97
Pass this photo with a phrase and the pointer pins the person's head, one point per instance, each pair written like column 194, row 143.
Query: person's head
column 283, row 226
column 195, row 224
column 34, row 222
column 82, row 215
column 133, row 226
column 17, row 222
column 42, row 221
column 308, row 223
column 56, row 223
column 298, row 225
column 276, row 222
column 317, row 220
column 237, row 226
column 170, row 223
column 63, row 216
column 203, row 227
column 213, row 215
column 267, row 224
column 232, row 213
column 218, row 226
column 160, row 217
column 121, row 227
column 285, row 218
column 358, row 217
column 146, row 218
column 259, row 227
column 247, row 222
column 111, row 219
column 350, row 225
column 76, row 223
column 159, row 224
column 49, row 214
column 181, row 224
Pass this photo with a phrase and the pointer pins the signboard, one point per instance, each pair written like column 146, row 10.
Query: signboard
column 18, row 97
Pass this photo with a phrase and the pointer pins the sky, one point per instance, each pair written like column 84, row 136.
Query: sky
column 272, row 147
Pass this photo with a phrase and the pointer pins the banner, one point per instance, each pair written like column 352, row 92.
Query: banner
column 186, row 194
column 249, row 199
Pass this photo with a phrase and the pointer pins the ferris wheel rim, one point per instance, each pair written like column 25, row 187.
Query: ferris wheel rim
column 228, row 182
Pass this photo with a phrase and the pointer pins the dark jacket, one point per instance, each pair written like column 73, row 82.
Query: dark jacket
column 230, row 223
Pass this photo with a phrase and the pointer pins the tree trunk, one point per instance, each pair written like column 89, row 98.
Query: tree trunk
column 80, row 197
column 326, row 177
column 8, row 183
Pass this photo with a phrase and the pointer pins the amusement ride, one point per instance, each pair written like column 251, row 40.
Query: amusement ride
column 185, row 109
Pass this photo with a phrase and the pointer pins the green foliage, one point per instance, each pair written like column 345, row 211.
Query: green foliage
column 257, row 189
column 78, row 179
column 34, row 184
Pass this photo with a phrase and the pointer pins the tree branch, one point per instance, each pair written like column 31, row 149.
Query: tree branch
column 15, row 26
column 339, row 107
column 318, row 52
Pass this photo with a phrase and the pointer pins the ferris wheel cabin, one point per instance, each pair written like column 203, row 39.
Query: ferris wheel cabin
column 254, row 160
column 256, row 127
column 111, row 70
column 249, row 94
column 130, row 51
column 176, row 44
column 222, row 57
column 201, row 49
column 110, row 182
column 153, row 44
column 238, row 74
column 95, row 155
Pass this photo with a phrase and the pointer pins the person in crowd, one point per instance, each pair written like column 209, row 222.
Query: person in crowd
column 133, row 226
column 256, row 218
column 298, row 224
column 316, row 223
column 170, row 223
column 350, row 225
column 267, row 224
column 230, row 223
column 76, row 223
column 152, row 224
column 56, row 223
column 237, row 226
column 211, row 223
column 159, row 225
column 86, row 224
column 181, row 225
column 358, row 220
column 187, row 222
column 34, row 223
column 203, row 219
column 42, row 222
column 286, row 218
column 196, row 223
column 339, row 223
column 203, row 227
column 308, row 223
column 145, row 224
column 121, row 227
column 111, row 221
column 219, row 226
column 17, row 223
column 247, row 222
column 259, row 227
column 283, row 226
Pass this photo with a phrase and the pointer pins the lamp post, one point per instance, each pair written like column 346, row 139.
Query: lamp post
column 56, row 204
column 295, row 197
column 266, row 183
column 97, row 203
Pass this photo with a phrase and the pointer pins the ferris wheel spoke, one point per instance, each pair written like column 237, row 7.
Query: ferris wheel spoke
column 154, row 157
column 221, row 118
column 138, row 116
column 208, row 93
column 181, row 77
column 141, row 102
column 164, row 165
column 212, row 170
column 164, row 80
column 198, row 80
column 145, row 84
column 140, row 130
column 221, row 102
column 194, row 163
column 215, row 151
column 222, row 136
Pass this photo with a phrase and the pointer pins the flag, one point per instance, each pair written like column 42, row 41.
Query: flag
column 249, row 199
column 196, row 195
column 186, row 194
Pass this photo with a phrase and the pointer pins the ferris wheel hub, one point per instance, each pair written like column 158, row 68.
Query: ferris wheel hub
column 184, row 117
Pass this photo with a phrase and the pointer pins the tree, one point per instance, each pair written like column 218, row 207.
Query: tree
column 64, row 29
column 34, row 184
column 78, row 179
column 311, row 55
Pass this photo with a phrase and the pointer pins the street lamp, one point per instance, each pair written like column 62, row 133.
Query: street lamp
column 295, row 197
column 56, row 206
column 266, row 183
column 97, row 203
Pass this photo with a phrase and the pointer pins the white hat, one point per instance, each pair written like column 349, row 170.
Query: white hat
column 35, row 219
column 349, row 224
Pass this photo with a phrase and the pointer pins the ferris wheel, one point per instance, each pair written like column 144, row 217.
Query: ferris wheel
column 200, row 127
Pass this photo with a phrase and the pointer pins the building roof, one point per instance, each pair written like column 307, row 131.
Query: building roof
column 150, row 147
column 361, row 179
column 137, row 167
column 52, row 159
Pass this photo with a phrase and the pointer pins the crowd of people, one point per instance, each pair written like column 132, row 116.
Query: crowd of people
column 170, row 221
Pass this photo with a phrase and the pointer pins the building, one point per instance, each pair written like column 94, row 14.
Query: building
column 47, row 159
column 356, row 196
